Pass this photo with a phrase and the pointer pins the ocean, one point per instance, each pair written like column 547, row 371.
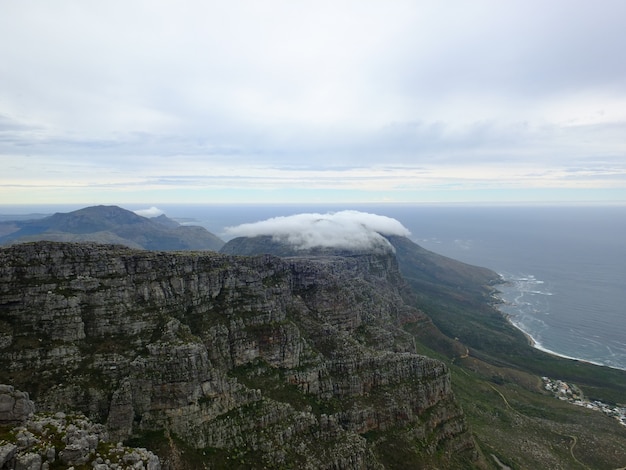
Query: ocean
column 565, row 266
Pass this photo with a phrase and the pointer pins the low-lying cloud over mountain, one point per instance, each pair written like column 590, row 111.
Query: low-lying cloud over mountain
column 352, row 230
column 149, row 213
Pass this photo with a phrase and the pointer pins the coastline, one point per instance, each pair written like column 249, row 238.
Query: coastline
column 498, row 301
column 536, row 345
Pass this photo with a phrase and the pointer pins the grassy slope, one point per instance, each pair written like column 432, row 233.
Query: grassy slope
column 497, row 378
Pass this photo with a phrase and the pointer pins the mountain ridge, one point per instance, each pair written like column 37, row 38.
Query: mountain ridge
column 111, row 224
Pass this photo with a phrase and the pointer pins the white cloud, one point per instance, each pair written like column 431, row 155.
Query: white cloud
column 149, row 213
column 346, row 230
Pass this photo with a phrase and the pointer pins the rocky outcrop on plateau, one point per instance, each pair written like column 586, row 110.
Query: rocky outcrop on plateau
column 42, row 441
column 256, row 360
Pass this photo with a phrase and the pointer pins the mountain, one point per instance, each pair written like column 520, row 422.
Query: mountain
column 113, row 225
column 415, row 262
column 496, row 374
column 233, row 361
column 321, row 358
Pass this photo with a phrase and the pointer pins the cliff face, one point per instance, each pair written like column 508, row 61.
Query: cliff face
column 265, row 360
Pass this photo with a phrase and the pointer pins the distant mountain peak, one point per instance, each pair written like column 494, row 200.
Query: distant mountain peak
column 93, row 219
column 106, row 224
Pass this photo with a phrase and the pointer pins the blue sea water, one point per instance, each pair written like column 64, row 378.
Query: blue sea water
column 565, row 265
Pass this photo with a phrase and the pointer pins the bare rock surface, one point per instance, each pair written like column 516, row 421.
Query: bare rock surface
column 42, row 440
column 15, row 406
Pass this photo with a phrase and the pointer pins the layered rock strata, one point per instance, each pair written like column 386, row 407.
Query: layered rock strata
column 280, row 362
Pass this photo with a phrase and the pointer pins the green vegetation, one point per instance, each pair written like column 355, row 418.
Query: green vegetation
column 490, row 337
column 275, row 385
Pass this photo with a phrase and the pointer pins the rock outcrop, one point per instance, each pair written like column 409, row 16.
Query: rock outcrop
column 15, row 406
column 42, row 441
column 257, row 360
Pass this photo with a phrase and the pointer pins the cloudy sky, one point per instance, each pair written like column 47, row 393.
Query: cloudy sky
column 312, row 101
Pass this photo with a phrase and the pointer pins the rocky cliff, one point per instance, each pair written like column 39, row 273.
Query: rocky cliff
column 243, row 361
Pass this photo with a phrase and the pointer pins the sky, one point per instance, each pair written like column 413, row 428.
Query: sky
column 271, row 101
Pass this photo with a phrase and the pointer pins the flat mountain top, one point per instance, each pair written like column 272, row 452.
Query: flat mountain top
column 110, row 224
column 415, row 262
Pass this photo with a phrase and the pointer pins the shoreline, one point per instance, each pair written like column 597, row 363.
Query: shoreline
column 536, row 345
column 532, row 342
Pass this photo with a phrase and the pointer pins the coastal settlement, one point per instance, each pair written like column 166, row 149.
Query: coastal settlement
column 571, row 393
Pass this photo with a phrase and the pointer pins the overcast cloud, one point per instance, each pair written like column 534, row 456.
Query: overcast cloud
column 150, row 212
column 371, row 100
column 345, row 229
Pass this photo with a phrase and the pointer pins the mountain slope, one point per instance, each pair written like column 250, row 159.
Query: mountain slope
column 459, row 298
column 111, row 224
column 497, row 379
